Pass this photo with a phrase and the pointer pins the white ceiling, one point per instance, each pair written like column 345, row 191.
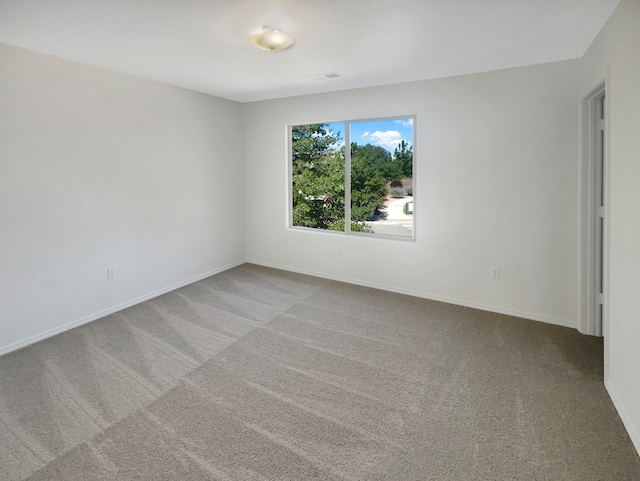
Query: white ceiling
column 204, row 45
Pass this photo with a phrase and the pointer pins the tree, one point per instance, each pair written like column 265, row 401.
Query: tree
column 317, row 177
column 380, row 159
column 403, row 154
column 368, row 186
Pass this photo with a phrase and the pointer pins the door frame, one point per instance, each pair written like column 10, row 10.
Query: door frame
column 587, row 318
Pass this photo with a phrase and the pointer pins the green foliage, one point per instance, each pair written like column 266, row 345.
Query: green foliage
column 317, row 177
column 368, row 186
column 355, row 227
column 360, row 227
column 379, row 159
column 404, row 156
column 409, row 190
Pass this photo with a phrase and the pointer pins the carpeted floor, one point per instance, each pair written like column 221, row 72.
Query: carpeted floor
column 260, row 374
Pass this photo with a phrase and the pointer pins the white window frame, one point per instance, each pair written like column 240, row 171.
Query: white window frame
column 347, row 179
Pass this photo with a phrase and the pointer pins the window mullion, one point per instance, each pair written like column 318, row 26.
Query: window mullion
column 347, row 177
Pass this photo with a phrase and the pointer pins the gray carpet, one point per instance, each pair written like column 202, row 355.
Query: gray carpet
column 260, row 374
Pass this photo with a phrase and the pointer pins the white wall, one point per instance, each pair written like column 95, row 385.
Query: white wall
column 497, row 169
column 615, row 57
column 98, row 170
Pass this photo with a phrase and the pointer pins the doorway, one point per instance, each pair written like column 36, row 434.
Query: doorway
column 593, row 222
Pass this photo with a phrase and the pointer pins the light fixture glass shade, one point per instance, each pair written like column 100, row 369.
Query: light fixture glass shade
column 271, row 39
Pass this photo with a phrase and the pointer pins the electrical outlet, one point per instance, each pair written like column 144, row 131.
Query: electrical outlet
column 494, row 273
column 111, row 273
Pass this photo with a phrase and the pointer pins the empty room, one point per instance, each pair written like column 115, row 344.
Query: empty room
column 289, row 240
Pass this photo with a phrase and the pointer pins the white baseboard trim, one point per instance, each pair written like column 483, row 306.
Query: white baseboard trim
column 425, row 295
column 105, row 312
column 624, row 416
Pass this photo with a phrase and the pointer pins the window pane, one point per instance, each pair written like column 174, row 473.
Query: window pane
column 382, row 177
column 317, row 176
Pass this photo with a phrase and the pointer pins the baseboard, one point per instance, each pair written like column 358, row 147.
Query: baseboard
column 105, row 312
column 624, row 416
column 424, row 295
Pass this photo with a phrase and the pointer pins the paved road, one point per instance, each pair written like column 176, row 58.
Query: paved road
column 397, row 222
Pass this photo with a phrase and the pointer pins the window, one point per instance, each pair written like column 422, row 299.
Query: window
column 371, row 183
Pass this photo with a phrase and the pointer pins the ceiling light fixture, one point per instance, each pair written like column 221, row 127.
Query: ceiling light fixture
column 271, row 39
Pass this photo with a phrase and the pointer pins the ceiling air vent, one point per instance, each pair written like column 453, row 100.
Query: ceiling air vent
column 326, row 76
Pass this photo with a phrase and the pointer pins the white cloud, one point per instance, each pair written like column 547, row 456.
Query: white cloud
column 389, row 139
column 404, row 122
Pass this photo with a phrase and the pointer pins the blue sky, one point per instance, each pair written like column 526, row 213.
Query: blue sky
column 385, row 133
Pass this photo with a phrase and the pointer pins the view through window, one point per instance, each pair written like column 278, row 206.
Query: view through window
column 371, row 183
